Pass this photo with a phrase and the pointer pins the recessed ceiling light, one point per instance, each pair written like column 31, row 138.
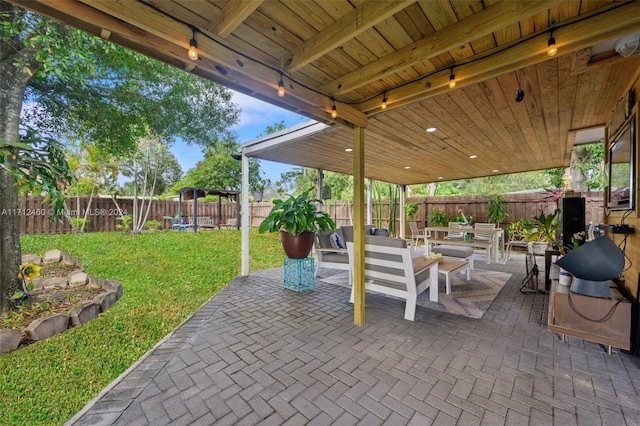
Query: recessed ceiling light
column 495, row 170
column 348, row 149
column 439, row 177
column 407, row 167
column 473, row 156
column 431, row 129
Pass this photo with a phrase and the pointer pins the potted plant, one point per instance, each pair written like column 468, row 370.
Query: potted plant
column 438, row 218
column 258, row 189
column 520, row 229
column 297, row 219
column 410, row 210
column 544, row 234
column 496, row 210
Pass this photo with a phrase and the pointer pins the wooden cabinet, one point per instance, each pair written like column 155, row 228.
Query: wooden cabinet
column 605, row 321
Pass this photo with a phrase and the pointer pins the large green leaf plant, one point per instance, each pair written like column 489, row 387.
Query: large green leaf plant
column 295, row 215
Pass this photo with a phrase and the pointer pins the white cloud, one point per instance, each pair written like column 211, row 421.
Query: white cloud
column 257, row 113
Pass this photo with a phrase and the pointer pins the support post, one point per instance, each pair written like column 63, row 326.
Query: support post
column 244, row 235
column 369, row 201
column 358, row 225
column 403, row 195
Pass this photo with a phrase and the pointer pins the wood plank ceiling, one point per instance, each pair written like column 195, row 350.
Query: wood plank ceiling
column 356, row 52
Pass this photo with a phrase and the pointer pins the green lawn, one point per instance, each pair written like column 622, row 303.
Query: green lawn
column 165, row 277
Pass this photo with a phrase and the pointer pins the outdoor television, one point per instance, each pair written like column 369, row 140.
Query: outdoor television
column 622, row 168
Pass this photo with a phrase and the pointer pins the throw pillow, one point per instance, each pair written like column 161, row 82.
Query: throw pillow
column 336, row 241
column 381, row 232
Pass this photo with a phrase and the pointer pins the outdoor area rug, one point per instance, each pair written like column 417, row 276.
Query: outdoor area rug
column 468, row 298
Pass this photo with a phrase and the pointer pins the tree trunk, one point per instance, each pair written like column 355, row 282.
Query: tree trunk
column 13, row 83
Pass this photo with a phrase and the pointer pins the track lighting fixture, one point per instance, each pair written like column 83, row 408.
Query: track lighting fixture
column 552, row 49
column 334, row 111
column 452, row 80
column 281, row 87
column 384, row 101
column 193, row 45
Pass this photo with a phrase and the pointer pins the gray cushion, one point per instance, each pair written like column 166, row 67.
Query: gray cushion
column 453, row 251
column 323, row 239
column 386, row 242
column 347, row 232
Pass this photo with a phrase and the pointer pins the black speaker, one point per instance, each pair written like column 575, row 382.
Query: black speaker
column 573, row 218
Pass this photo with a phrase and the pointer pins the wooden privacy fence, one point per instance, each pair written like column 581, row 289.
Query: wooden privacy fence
column 34, row 215
column 103, row 213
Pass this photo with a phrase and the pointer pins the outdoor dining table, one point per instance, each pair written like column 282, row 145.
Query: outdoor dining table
column 497, row 237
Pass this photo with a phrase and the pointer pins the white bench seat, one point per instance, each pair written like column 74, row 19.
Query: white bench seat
column 389, row 269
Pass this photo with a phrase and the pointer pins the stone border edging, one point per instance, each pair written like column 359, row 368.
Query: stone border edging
column 43, row 328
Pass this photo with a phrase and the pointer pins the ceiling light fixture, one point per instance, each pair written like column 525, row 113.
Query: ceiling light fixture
column 348, row 149
column 334, row 111
column 407, row 167
column 552, row 49
column 431, row 129
column 281, row 87
column 452, row 80
column 193, row 45
column 384, row 100
column 473, row 156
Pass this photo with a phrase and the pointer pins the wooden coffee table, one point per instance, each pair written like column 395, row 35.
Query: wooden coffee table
column 448, row 266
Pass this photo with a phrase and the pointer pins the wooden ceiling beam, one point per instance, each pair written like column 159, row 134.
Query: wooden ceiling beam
column 233, row 14
column 160, row 25
column 449, row 38
column 363, row 17
column 571, row 38
column 94, row 21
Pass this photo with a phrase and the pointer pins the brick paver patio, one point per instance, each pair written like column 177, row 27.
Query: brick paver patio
column 259, row 354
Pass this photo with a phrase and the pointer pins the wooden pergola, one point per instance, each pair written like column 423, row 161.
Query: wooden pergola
column 379, row 73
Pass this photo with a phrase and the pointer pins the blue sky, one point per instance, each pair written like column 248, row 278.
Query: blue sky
column 255, row 116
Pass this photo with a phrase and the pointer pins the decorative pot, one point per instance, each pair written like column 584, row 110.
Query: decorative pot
column 257, row 196
column 299, row 246
column 564, row 277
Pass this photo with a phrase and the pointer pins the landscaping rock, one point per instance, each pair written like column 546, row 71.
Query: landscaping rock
column 52, row 256
column 31, row 258
column 9, row 340
column 54, row 282
column 84, row 312
column 69, row 260
column 38, row 283
column 106, row 300
column 78, row 279
column 113, row 286
column 96, row 283
column 43, row 328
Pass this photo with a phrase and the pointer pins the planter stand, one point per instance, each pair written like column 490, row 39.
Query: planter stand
column 298, row 274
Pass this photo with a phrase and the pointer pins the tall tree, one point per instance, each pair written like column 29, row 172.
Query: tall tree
column 219, row 169
column 80, row 85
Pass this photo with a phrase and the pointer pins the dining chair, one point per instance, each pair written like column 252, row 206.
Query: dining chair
column 454, row 235
column 480, row 236
column 416, row 233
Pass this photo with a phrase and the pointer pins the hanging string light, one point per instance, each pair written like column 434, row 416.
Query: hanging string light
column 452, row 80
column 193, row 45
column 384, row 100
column 552, row 49
column 334, row 111
column 281, row 87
